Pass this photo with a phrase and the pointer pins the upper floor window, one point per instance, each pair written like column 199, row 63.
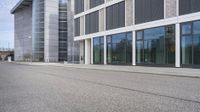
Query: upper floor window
column 79, row 6
column 115, row 16
column 94, row 3
column 148, row 10
column 188, row 6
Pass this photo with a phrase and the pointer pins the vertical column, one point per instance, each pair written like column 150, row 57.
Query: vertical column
column 178, row 56
column 87, row 51
column 133, row 48
column 105, row 51
column 91, row 51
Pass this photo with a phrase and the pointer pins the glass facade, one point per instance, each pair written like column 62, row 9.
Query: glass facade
column 190, row 43
column 38, row 30
column 156, row 45
column 98, row 50
column 119, row 48
column 63, row 38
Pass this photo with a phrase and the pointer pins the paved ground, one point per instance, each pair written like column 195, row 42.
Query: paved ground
column 26, row 88
column 169, row 71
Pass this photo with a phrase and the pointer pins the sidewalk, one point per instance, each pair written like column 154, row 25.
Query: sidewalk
column 178, row 72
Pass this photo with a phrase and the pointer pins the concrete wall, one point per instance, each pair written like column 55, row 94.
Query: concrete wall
column 129, row 12
column 101, row 20
column 82, row 26
column 23, row 33
column 51, row 30
column 170, row 8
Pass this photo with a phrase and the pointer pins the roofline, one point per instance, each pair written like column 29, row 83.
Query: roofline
column 18, row 5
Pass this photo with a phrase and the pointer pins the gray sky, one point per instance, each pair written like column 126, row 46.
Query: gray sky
column 6, row 23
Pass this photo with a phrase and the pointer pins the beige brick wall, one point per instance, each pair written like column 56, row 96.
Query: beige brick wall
column 170, row 8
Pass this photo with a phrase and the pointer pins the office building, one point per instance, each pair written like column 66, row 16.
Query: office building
column 138, row 32
column 42, row 31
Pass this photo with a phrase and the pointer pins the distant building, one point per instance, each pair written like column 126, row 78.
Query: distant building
column 43, row 32
column 5, row 54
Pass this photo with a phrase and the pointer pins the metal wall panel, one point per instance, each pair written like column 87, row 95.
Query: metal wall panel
column 148, row 10
column 92, row 22
column 188, row 6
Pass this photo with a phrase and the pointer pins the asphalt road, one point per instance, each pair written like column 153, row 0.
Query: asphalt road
column 25, row 88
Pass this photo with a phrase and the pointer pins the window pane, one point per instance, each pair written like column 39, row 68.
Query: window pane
column 196, row 27
column 109, row 54
column 186, row 28
column 119, row 50
column 129, row 48
column 186, row 49
column 139, row 35
column 170, row 45
column 98, row 50
column 196, row 41
column 139, row 52
column 154, row 46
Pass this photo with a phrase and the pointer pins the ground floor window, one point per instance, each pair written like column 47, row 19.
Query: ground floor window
column 119, row 48
column 156, row 45
column 190, row 43
column 98, row 50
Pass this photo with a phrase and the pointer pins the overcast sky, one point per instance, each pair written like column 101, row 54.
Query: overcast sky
column 6, row 23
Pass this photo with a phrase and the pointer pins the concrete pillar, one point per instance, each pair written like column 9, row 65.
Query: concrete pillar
column 87, row 51
column 133, row 48
column 178, row 45
column 105, row 50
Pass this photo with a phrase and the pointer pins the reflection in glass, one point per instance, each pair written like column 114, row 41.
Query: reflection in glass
column 186, row 28
column 186, row 50
column 119, row 48
column 196, row 50
column 98, row 50
column 156, row 46
column 190, row 44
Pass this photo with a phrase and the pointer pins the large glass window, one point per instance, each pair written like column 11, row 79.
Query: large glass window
column 119, row 48
column 156, row 45
column 92, row 22
column 190, row 43
column 115, row 16
column 98, row 50
column 148, row 10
